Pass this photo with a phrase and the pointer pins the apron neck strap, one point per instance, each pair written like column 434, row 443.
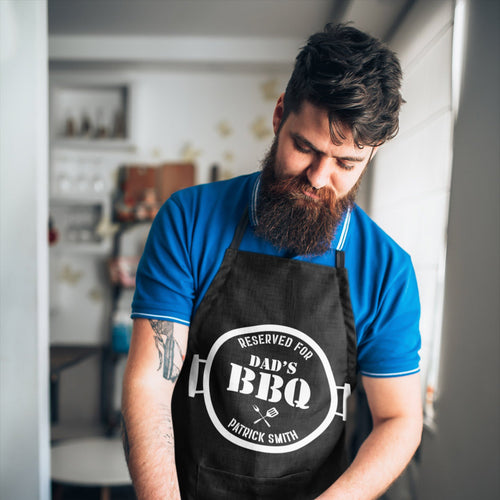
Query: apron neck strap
column 339, row 259
column 240, row 230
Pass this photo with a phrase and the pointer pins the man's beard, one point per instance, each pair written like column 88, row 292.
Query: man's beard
column 293, row 221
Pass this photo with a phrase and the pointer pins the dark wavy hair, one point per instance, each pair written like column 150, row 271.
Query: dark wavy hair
column 355, row 78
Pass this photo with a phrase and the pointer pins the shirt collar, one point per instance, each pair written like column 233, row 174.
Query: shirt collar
column 253, row 201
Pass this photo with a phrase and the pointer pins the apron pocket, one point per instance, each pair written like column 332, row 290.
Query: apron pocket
column 216, row 484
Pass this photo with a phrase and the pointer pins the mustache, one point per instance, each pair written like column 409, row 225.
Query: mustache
column 299, row 188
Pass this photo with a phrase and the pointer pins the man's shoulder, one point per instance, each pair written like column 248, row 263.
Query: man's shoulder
column 369, row 235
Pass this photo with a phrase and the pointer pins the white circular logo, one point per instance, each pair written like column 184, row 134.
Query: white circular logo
column 269, row 388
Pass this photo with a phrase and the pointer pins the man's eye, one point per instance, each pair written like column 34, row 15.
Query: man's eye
column 345, row 166
column 301, row 148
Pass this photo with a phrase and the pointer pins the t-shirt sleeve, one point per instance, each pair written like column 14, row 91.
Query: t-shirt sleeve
column 390, row 347
column 164, row 280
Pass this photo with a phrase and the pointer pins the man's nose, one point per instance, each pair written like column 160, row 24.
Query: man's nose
column 318, row 173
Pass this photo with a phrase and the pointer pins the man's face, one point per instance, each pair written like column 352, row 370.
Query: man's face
column 305, row 148
column 308, row 181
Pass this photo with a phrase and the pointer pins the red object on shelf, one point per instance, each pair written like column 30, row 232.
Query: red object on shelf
column 144, row 188
column 172, row 177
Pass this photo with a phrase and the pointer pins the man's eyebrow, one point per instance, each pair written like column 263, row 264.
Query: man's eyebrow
column 350, row 158
column 304, row 141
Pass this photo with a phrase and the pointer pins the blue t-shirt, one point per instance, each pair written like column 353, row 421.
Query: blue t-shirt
column 190, row 234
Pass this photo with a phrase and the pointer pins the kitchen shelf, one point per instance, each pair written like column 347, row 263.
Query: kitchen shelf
column 86, row 144
column 91, row 115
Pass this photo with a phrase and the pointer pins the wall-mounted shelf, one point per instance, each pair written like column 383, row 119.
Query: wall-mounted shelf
column 91, row 116
column 87, row 144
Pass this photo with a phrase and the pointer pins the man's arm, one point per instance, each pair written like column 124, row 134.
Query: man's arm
column 156, row 354
column 396, row 408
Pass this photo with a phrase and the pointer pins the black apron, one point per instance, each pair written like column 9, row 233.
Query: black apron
column 260, row 404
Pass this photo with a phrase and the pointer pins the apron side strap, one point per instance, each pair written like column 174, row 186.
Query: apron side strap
column 240, row 230
column 339, row 259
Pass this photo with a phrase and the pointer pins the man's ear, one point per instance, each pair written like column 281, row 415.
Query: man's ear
column 278, row 113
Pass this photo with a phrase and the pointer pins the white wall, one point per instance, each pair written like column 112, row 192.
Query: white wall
column 176, row 109
column 410, row 187
column 462, row 459
column 24, row 375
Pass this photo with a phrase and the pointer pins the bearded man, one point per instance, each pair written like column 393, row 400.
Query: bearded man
column 266, row 295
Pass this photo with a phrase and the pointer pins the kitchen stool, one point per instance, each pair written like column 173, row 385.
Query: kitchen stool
column 95, row 461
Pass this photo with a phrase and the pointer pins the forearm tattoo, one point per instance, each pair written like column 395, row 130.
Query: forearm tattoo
column 169, row 350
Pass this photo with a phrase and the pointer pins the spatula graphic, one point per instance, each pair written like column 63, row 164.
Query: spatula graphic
column 271, row 413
